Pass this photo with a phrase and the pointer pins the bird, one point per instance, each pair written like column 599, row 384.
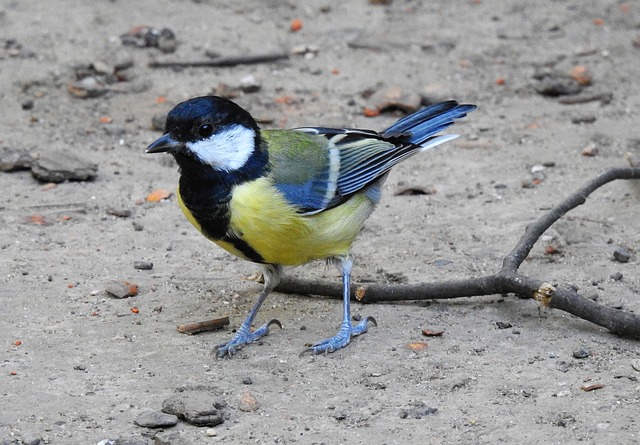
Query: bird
column 287, row 197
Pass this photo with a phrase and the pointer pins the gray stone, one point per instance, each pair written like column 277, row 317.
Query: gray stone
column 555, row 86
column 12, row 159
column 622, row 254
column 121, row 289
column 31, row 439
column 616, row 276
column 418, row 411
column 249, row 84
column 155, row 419
column 197, row 406
column 143, row 265
column 582, row 353
column 61, row 166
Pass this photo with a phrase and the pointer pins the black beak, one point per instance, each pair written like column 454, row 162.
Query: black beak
column 164, row 144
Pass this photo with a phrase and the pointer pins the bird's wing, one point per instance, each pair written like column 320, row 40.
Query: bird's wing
column 317, row 168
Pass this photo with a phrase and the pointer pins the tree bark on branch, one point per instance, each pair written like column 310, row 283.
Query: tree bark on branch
column 507, row 280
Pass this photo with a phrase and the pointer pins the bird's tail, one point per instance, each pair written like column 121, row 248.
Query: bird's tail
column 421, row 127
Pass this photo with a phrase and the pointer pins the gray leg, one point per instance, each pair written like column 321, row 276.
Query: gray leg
column 244, row 336
column 347, row 331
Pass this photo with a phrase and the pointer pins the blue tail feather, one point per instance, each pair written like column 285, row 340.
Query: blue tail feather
column 419, row 126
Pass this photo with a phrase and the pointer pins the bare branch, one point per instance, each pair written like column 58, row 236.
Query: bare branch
column 203, row 326
column 220, row 61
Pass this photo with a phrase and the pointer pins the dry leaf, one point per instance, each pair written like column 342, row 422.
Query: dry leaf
column 158, row 195
column 371, row 112
column 430, row 333
column 360, row 293
column 417, row 346
column 37, row 220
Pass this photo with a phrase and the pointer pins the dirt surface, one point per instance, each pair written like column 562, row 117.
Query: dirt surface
column 78, row 366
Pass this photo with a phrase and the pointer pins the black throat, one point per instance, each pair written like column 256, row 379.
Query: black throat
column 207, row 193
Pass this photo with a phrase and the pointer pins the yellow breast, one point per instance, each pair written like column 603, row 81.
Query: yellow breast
column 263, row 218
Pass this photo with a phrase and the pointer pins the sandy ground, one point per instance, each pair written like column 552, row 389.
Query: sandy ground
column 78, row 366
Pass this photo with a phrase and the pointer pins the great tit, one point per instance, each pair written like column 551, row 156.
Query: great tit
column 287, row 197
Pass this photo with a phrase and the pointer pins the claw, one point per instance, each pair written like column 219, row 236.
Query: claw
column 243, row 338
column 277, row 323
column 371, row 320
column 304, row 351
column 341, row 339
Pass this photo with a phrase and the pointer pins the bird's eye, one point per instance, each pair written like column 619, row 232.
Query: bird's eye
column 205, row 130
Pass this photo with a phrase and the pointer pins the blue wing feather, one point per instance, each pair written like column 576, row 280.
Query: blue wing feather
column 367, row 156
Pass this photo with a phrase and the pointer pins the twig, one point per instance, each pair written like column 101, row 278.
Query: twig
column 221, row 61
column 507, row 280
column 203, row 326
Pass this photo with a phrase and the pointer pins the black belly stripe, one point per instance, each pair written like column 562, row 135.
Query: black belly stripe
column 245, row 248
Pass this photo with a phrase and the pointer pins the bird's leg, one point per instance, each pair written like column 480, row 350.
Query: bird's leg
column 244, row 335
column 347, row 330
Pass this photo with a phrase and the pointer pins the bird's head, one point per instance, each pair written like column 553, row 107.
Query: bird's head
column 210, row 131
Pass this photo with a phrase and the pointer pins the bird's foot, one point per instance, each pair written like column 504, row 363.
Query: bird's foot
column 342, row 338
column 243, row 337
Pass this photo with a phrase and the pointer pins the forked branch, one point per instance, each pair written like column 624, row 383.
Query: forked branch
column 507, row 280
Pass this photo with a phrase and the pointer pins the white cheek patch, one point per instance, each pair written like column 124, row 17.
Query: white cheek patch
column 228, row 149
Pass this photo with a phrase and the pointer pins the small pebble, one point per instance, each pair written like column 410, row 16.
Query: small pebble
column 31, row 439
column 248, row 403
column 394, row 98
column 167, row 42
column 582, row 353
column 418, row 411
column 249, row 84
column 538, row 168
column 622, row 254
column 121, row 213
column 555, row 86
column 247, row 381
column 503, row 325
column 211, row 432
column 590, row 150
column 583, row 119
column 121, row 289
column 616, row 276
column 28, row 104
column 143, row 265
